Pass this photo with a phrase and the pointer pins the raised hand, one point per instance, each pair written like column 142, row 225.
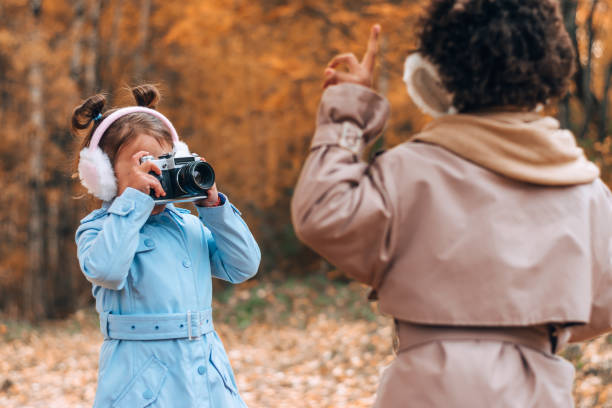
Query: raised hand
column 361, row 73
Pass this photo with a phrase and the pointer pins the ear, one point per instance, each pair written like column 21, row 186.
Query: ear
column 181, row 149
column 97, row 174
column 425, row 87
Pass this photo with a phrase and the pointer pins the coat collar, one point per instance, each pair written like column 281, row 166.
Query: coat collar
column 179, row 212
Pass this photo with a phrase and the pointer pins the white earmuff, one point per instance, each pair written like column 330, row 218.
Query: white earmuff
column 425, row 87
column 97, row 174
column 95, row 169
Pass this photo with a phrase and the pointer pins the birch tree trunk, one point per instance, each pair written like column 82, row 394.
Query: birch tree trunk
column 33, row 290
column 90, row 79
column 53, row 270
column 76, row 65
column 143, row 35
column 113, row 54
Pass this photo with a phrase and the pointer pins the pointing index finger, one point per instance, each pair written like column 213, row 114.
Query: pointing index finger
column 369, row 58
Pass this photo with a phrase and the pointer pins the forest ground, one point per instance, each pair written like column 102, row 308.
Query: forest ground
column 303, row 343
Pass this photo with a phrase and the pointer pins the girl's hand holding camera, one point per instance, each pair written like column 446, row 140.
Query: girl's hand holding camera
column 136, row 175
column 213, row 199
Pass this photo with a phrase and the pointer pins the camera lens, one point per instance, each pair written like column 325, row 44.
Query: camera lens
column 196, row 177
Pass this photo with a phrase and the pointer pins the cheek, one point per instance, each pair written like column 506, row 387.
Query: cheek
column 120, row 172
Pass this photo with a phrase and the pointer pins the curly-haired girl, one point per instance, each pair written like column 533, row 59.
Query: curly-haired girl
column 487, row 236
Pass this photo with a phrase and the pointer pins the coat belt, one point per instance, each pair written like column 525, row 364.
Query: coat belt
column 411, row 335
column 190, row 325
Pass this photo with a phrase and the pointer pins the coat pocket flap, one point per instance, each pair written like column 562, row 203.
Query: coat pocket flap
column 144, row 388
column 223, row 371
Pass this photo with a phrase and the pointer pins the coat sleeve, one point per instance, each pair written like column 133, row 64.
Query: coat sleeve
column 234, row 253
column 600, row 321
column 343, row 207
column 106, row 247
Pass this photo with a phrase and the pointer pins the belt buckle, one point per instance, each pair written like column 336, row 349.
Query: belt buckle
column 189, row 328
column 194, row 334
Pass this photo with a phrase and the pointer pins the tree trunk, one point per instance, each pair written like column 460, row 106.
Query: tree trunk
column 113, row 54
column 57, row 271
column 33, row 289
column 90, row 72
column 76, row 65
column 588, row 99
column 604, row 114
column 568, row 9
column 143, row 35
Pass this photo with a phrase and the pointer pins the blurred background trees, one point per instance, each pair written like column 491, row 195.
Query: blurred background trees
column 586, row 109
column 241, row 81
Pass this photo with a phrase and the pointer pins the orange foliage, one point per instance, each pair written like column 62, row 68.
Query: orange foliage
column 241, row 82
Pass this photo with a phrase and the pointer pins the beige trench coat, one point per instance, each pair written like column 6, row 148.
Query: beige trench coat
column 447, row 243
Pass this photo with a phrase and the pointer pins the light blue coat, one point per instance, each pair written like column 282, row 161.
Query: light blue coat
column 151, row 277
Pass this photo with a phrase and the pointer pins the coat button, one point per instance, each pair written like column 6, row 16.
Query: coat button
column 148, row 394
column 125, row 208
column 201, row 370
column 186, row 263
column 149, row 243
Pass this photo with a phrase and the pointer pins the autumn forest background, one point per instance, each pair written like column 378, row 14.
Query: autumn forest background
column 241, row 81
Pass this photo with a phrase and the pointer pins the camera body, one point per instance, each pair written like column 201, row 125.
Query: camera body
column 184, row 179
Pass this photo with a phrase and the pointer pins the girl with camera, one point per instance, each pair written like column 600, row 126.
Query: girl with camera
column 488, row 236
column 151, row 265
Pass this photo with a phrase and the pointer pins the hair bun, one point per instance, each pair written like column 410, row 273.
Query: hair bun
column 83, row 115
column 146, row 95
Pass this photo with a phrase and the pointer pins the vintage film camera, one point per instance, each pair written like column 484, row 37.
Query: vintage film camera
column 184, row 179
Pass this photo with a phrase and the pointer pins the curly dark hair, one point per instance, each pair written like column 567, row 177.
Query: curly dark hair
column 496, row 53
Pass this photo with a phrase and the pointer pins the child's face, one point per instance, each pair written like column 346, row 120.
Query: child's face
column 127, row 161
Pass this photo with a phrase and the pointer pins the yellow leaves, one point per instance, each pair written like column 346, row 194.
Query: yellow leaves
column 285, row 11
column 344, row 16
column 276, row 100
column 604, row 148
column 203, row 22
column 7, row 39
column 401, row 11
column 274, row 62
column 291, row 68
